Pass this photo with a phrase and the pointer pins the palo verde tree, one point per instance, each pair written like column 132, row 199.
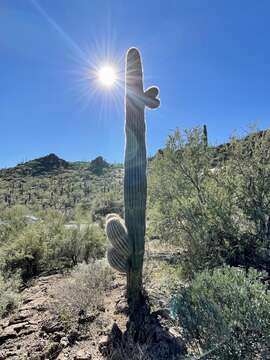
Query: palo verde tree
column 127, row 236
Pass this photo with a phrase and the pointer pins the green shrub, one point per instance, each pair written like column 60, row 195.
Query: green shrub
column 82, row 244
column 226, row 313
column 12, row 221
column 26, row 251
column 9, row 293
column 48, row 245
column 215, row 207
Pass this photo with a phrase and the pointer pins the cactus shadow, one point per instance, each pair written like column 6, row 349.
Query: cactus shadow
column 144, row 339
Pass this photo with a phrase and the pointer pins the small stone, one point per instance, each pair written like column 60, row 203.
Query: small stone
column 83, row 355
column 57, row 336
column 115, row 285
column 50, row 328
column 121, row 307
column 87, row 318
column 73, row 336
column 64, row 341
column 101, row 308
column 103, row 345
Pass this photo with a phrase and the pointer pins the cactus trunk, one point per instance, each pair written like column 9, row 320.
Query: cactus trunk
column 135, row 183
column 135, row 186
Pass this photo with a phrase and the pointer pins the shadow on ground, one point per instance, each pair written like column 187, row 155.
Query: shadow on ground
column 145, row 338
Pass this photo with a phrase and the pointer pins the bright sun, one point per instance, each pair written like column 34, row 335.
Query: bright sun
column 107, row 76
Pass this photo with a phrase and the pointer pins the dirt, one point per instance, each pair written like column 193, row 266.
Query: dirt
column 34, row 331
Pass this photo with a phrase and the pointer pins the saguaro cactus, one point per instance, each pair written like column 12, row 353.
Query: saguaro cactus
column 205, row 136
column 127, row 237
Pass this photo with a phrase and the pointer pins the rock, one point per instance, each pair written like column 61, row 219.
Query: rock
column 19, row 318
column 27, row 331
column 87, row 318
column 103, row 345
column 8, row 333
column 64, row 341
column 121, row 307
column 115, row 285
column 83, row 355
column 27, row 300
column 51, row 327
column 73, row 336
column 101, row 308
column 164, row 313
column 52, row 351
column 20, row 326
column 174, row 331
column 85, row 337
column 57, row 336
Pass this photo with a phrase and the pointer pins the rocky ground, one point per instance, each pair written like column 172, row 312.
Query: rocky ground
column 35, row 331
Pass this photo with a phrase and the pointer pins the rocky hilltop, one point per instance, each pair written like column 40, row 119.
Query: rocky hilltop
column 51, row 182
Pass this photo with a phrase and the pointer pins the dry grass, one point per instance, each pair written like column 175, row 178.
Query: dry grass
column 83, row 291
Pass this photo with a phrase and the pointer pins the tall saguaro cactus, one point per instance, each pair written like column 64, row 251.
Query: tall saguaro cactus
column 127, row 237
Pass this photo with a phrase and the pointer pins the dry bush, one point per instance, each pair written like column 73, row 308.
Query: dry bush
column 83, row 291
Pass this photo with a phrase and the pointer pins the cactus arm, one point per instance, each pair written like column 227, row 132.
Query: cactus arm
column 117, row 261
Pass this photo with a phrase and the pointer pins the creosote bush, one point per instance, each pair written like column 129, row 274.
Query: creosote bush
column 225, row 312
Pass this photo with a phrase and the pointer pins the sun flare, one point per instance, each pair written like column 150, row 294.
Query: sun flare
column 107, row 76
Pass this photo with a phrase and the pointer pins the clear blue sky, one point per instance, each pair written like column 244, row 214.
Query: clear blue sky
column 210, row 58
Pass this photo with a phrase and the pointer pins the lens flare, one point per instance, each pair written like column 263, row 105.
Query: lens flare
column 107, row 75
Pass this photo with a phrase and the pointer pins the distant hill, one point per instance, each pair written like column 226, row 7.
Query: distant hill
column 98, row 165
column 51, row 182
column 38, row 167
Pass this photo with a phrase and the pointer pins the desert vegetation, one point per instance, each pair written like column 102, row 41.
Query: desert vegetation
column 213, row 204
column 206, row 254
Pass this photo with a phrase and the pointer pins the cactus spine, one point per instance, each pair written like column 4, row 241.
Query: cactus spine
column 128, row 238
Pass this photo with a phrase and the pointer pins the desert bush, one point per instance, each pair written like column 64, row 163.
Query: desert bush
column 225, row 313
column 83, row 244
column 9, row 293
column 48, row 245
column 215, row 207
column 83, row 291
column 12, row 220
column 26, row 251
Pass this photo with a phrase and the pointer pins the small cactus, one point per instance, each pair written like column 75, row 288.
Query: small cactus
column 127, row 237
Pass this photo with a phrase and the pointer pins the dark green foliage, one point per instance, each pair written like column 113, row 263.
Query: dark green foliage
column 226, row 313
